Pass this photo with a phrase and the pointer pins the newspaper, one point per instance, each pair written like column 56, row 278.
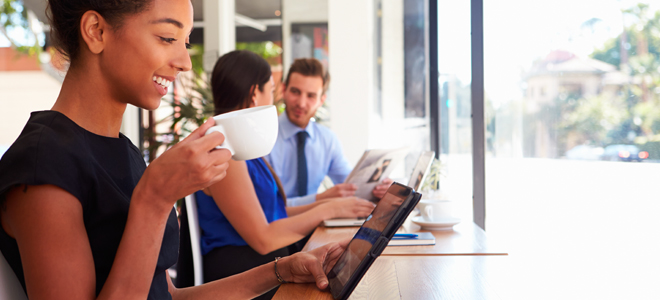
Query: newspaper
column 374, row 166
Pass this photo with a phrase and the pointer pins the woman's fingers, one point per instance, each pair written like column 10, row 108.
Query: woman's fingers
column 204, row 141
column 210, row 141
column 219, row 156
column 344, row 243
column 360, row 207
column 201, row 131
column 366, row 208
column 216, row 167
column 198, row 133
column 366, row 204
column 310, row 265
column 329, row 253
column 212, row 162
column 316, row 270
column 333, row 255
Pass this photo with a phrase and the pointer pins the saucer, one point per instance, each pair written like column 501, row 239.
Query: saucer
column 442, row 224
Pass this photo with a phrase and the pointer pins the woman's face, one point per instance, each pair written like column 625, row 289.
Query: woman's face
column 266, row 97
column 143, row 56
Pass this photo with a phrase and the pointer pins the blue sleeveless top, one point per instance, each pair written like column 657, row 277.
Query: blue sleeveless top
column 216, row 229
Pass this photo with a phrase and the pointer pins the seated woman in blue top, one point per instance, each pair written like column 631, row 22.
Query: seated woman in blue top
column 244, row 219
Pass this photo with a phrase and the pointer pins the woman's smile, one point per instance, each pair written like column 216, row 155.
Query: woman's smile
column 162, row 83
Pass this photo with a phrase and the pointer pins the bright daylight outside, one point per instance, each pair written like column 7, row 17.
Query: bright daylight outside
column 572, row 102
column 572, row 116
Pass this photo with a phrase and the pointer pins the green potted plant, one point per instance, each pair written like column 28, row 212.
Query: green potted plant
column 431, row 186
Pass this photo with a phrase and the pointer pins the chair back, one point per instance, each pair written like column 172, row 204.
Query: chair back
column 10, row 287
column 195, row 238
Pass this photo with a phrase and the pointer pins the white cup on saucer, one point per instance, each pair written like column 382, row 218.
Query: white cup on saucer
column 249, row 133
column 435, row 210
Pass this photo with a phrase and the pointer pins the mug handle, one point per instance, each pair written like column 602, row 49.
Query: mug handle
column 225, row 144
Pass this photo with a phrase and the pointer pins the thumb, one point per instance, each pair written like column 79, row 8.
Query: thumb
column 319, row 276
column 201, row 131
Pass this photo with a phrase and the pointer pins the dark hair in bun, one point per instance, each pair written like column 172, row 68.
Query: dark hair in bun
column 65, row 16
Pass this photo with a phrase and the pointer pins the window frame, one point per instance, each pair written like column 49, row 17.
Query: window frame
column 477, row 94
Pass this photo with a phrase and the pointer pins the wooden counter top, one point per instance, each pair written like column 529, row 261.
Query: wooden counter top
column 464, row 239
column 418, row 277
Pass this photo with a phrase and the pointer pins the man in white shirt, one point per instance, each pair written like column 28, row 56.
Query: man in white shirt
column 306, row 152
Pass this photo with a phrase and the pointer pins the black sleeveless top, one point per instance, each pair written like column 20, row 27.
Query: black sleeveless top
column 100, row 171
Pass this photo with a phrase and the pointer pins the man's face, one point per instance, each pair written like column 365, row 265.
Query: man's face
column 302, row 96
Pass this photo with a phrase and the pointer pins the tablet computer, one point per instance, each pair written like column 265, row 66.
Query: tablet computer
column 371, row 239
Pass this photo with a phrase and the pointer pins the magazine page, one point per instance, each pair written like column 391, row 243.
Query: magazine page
column 374, row 166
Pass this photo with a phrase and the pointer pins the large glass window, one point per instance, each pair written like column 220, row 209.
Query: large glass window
column 401, row 80
column 573, row 140
column 378, row 61
column 415, row 58
column 455, row 107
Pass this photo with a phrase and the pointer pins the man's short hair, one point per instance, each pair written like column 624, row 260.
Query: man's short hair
column 309, row 67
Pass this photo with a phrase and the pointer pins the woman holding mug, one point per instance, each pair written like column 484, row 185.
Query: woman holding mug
column 82, row 216
column 245, row 215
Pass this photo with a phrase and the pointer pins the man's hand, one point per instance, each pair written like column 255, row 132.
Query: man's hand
column 338, row 191
column 312, row 266
column 380, row 190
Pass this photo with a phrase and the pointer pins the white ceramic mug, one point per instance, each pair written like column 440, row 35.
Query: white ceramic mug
column 249, row 133
column 435, row 210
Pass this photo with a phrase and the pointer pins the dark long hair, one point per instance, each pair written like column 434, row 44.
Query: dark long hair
column 233, row 78
column 65, row 16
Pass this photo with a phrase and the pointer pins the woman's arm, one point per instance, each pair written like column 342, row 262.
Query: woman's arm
column 246, row 285
column 341, row 207
column 296, row 210
column 47, row 224
column 236, row 198
column 299, row 268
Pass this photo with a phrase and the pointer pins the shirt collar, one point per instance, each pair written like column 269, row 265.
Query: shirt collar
column 289, row 129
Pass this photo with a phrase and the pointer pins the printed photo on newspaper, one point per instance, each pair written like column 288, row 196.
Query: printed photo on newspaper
column 374, row 166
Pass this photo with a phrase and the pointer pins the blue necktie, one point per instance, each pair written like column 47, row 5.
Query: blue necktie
column 302, row 164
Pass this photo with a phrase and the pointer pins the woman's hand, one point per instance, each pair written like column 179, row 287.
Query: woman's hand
column 349, row 207
column 338, row 190
column 188, row 166
column 380, row 190
column 312, row 266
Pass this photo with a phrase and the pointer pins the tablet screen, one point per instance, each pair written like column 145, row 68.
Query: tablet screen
column 367, row 235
